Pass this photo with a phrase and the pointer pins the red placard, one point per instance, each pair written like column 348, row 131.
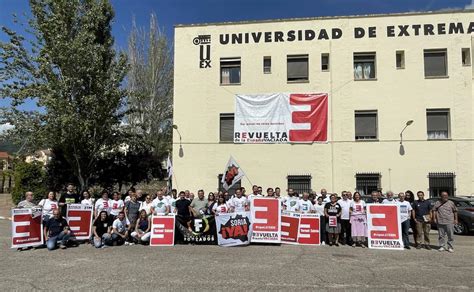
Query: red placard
column 289, row 227
column 384, row 228
column 313, row 114
column 309, row 230
column 79, row 218
column 266, row 218
column 162, row 230
column 27, row 227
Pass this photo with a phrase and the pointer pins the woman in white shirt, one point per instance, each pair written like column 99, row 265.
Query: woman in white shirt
column 87, row 200
column 48, row 204
column 221, row 206
column 116, row 205
column 147, row 205
column 358, row 220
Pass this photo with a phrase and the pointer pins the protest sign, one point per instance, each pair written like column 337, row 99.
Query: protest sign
column 79, row 218
column 299, row 228
column 233, row 229
column 332, row 222
column 162, row 230
column 265, row 217
column 27, row 227
column 196, row 230
column 384, row 228
column 290, row 222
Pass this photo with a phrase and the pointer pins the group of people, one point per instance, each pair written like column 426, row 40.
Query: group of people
column 126, row 219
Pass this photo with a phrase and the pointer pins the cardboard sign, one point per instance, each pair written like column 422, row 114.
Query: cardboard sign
column 332, row 221
column 290, row 222
column 233, row 229
column 308, row 231
column 384, row 228
column 27, row 227
column 266, row 218
column 162, row 230
column 79, row 218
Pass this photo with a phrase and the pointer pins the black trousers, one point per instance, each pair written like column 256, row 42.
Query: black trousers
column 345, row 237
column 322, row 229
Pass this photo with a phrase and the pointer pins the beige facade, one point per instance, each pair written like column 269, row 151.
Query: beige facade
column 396, row 94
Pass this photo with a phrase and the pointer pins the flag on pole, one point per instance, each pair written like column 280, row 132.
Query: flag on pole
column 232, row 174
column 169, row 167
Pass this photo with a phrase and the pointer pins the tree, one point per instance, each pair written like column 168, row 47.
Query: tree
column 29, row 177
column 150, row 86
column 71, row 70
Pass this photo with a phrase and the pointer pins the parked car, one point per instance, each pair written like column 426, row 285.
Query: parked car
column 465, row 214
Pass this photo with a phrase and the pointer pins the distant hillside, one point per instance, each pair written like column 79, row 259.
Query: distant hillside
column 8, row 147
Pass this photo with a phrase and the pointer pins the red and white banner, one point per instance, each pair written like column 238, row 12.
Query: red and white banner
column 281, row 118
column 300, row 229
column 79, row 218
column 265, row 217
column 162, row 230
column 27, row 227
column 384, row 228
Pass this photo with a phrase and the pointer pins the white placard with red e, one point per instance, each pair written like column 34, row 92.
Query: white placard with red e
column 27, row 227
column 384, row 228
column 79, row 218
column 332, row 221
column 162, row 230
column 300, row 229
column 266, row 219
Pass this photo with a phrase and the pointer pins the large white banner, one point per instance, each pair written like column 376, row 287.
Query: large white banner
column 280, row 118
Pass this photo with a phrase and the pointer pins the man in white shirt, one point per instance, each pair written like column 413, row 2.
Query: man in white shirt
column 324, row 195
column 160, row 204
column 389, row 199
column 120, row 230
column 345, row 203
column 238, row 203
column 406, row 212
column 305, row 205
column 291, row 202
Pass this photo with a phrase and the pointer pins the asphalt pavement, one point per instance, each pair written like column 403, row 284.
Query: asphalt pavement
column 251, row 268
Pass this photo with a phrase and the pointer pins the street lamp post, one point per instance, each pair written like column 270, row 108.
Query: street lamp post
column 181, row 151
column 402, row 149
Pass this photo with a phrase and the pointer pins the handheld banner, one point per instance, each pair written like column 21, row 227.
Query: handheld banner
column 290, row 222
column 332, row 222
column 196, row 230
column 79, row 218
column 233, row 229
column 162, row 230
column 266, row 219
column 308, row 231
column 27, row 227
column 384, row 229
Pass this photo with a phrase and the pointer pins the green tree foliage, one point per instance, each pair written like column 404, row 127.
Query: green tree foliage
column 70, row 68
column 29, row 177
column 150, row 86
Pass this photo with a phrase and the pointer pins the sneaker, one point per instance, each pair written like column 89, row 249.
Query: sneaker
column 427, row 247
column 127, row 243
column 131, row 243
column 330, row 243
column 418, row 246
column 322, row 243
column 62, row 246
column 104, row 246
column 336, row 244
column 441, row 249
column 450, row 249
column 407, row 247
column 353, row 245
column 362, row 245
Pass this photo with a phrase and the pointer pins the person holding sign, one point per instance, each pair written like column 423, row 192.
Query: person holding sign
column 48, row 204
column 70, row 197
column 304, row 205
column 56, row 230
column 238, row 203
column 358, row 221
column 221, row 206
column 102, row 229
column 406, row 212
column 160, row 204
column 28, row 201
column 332, row 211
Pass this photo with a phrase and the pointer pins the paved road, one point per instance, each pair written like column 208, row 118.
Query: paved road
column 241, row 268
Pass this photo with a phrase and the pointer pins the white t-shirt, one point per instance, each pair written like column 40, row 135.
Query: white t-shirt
column 387, row 201
column 172, row 203
column 48, row 206
column 291, row 203
column 127, row 198
column 405, row 210
column 147, row 207
column 120, row 226
column 319, row 209
column 88, row 202
column 102, row 205
column 305, row 206
column 223, row 208
column 345, row 205
column 160, row 205
column 238, row 204
column 116, row 206
column 358, row 208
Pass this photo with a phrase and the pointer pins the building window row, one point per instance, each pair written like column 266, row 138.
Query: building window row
column 364, row 63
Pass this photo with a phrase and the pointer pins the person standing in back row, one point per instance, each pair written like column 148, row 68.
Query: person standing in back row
column 345, row 203
column 445, row 215
column 406, row 212
column 422, row 209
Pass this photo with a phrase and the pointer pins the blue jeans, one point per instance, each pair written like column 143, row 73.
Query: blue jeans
column 405, row 232
column 62, row 238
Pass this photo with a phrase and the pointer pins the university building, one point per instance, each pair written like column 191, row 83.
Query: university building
column 400, row 101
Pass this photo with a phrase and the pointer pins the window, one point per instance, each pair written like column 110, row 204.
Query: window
column 231, row 190
column 400, row 59
column 230, row 71
column 267, row 65
column 367, row 182
column 299, row 183
column 436, row 63
column 226, row 128
column 366, row 125
column 437, row 123
column 441, row 182
column 466, row 56
column 364, row 66
column 297, row 68
column 324, row 62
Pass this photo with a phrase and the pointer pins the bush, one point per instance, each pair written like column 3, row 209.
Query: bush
column 29, row 177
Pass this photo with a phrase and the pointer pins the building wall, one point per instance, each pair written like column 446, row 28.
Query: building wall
column 397, row 94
